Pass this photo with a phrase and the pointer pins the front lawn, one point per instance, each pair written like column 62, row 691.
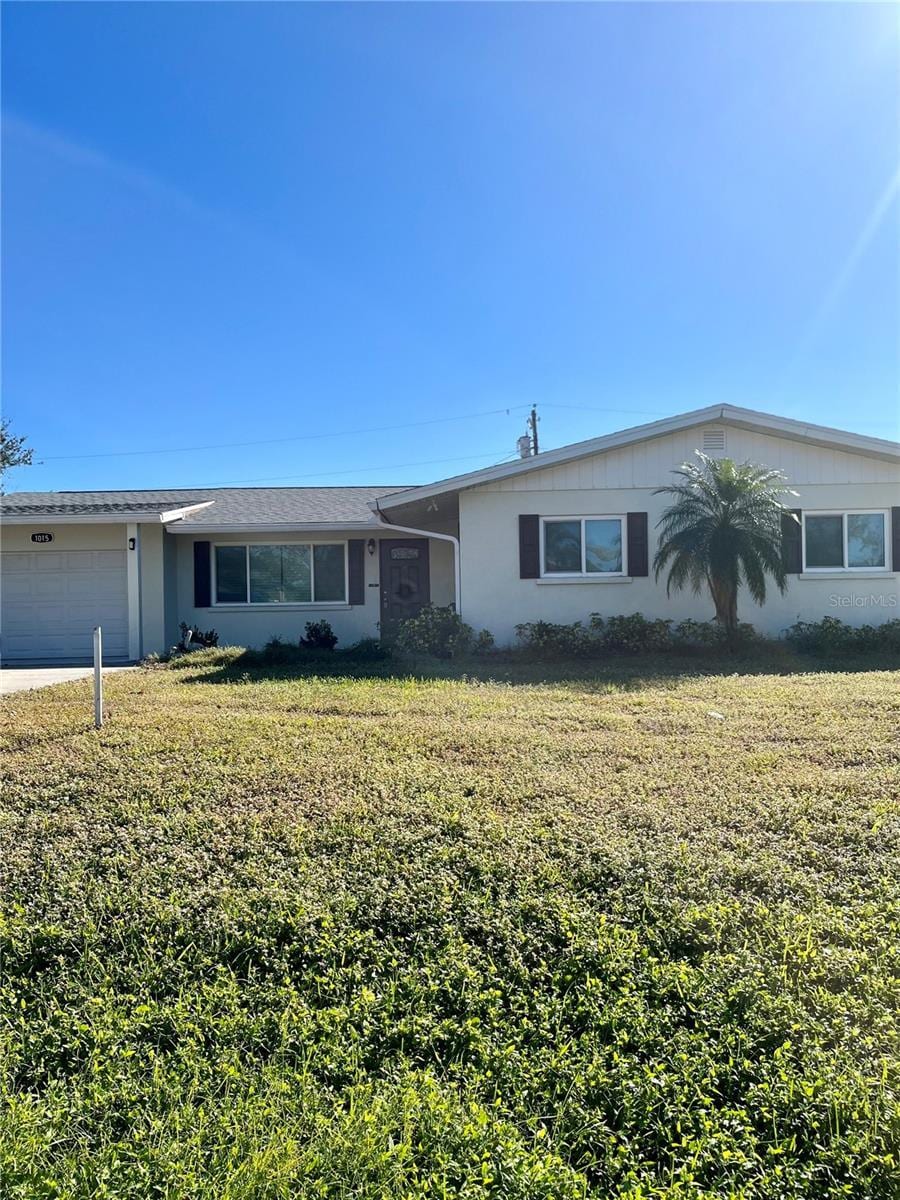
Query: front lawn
column 611, row 936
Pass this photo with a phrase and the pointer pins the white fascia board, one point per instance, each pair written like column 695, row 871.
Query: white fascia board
column 79, row 518
column 269, row 527
column 178, row 514
column 111, row 518
column 805, row 431
column 835, row 439
column 548, row 458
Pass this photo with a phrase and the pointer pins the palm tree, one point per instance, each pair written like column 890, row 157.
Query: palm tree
column 723, row 530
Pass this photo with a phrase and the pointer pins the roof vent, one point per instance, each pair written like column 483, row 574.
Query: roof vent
column 713, row 441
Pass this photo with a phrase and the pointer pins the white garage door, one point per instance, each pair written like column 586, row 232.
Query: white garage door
column 51, row 601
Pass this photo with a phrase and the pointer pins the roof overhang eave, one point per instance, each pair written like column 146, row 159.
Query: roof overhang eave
column 136, row 518
column 275, row 527
column 186, row 510
column 799, row 431
column 139, row 517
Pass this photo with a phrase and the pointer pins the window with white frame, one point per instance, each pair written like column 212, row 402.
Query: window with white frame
column 296, row 573
column 582, row 546
column 845, row 541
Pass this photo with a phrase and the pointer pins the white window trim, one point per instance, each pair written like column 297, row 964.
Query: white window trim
column 584, row 574
column 844, row 513
column 599, row 578
column 280, row 604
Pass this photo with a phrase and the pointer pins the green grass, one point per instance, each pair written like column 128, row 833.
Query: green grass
column 283, row 936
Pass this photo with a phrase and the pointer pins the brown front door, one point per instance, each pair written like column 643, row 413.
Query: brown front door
column 405, row 582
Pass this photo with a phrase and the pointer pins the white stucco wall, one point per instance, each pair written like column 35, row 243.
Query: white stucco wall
column 442, row 572
column 621, row 481
column 170, row 590
column 254, row 625
column 152, row 583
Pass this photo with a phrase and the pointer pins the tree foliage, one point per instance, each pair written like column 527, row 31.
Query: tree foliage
column 723, row 531
column 13, row 451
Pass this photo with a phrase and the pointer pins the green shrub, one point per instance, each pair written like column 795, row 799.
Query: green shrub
column 367, row 650
column 698, row 633
column 319, row 636
column 484, row 642
column 438, row 631
column 885, row 637
column 710, row 634
column 632, row 634
column 744, row 635
column 277, row 652
column 193, row 637
column 544, row 639
column 831, row 636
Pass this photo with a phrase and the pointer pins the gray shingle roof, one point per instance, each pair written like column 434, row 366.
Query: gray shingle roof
column 81, row 509
column 232, row 506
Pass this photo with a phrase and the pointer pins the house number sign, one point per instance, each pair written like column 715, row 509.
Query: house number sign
column 42, row 538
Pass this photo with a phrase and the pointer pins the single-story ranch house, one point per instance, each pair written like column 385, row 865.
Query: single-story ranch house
column 556, row 536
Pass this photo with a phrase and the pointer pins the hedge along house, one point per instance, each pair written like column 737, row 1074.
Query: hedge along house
column 554, row 537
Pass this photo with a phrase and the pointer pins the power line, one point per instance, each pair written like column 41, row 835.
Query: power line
column 303, row 437
column 628, row 412
column 429, row 462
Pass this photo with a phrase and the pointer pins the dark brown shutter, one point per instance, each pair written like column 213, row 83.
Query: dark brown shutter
column 638, row 544
column 356, row 571
column 529, row 547
column 895, row 539
column 202, row 575
column 791, row 545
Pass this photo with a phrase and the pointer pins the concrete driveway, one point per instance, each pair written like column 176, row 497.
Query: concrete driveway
column 26, row 679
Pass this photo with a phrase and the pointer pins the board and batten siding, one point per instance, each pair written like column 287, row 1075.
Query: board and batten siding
column 622, row 481
column 647, row 464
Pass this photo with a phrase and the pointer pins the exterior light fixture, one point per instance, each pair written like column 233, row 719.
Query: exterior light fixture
column 370, row 545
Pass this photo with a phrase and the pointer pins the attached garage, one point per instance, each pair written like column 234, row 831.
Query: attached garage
column 71, row 561
column 52, row 600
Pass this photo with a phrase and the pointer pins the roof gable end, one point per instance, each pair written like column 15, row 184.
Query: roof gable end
column 727, row 414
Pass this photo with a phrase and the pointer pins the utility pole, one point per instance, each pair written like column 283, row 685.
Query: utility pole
column 527, row 444
column 532, row 425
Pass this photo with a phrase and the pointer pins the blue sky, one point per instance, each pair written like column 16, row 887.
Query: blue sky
column 296, row 225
